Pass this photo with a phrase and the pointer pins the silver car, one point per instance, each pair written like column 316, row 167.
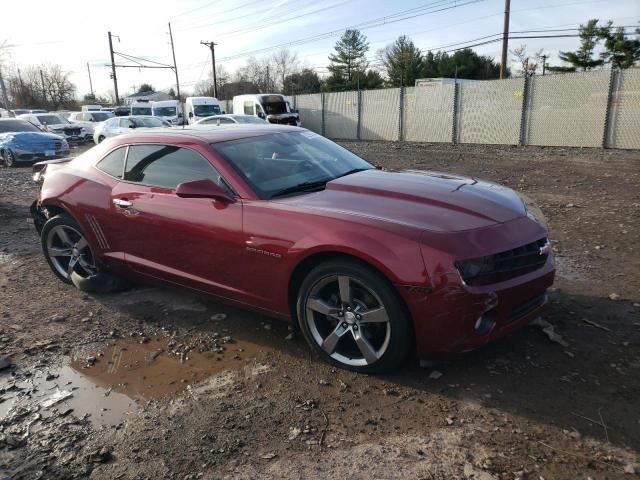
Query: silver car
column 220, row 120
column 118, row 125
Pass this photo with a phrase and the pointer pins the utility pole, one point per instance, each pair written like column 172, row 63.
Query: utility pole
column 44, row 90
column 505, row 39
column 90, row 82
column 544, row 63
column 175, row 66
column 212, row 46
column 113, row 70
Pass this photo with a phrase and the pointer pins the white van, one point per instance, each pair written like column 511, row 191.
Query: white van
column 141, row 108
column 169, row 110
column 91, row 108
column 272, row 107
column 197, row 108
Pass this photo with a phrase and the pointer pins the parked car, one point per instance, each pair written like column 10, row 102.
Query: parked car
column 63, row 113
column 169, row 110
column 272, row 107
column 122, row 111
column 197, row 108
column 141, row 108
column 89, row 120
column 119, row 125
column 53, row 123
column 107, row 109
column 373, row 265
column 91, row 108
column 5, row 113
column 37, row 110
column 221, row 120
column 19, row 111
column 21, row 141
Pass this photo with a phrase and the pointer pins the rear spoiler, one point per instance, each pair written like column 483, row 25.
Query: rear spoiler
column 38, row 168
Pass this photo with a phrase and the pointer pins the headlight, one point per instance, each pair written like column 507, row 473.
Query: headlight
column 532, row 210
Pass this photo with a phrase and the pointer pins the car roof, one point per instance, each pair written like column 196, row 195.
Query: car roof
column 231, row 132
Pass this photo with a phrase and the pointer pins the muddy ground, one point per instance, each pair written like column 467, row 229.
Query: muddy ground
column 160, row 383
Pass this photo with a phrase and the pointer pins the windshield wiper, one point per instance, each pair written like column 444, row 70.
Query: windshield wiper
column 355, row 170
column 302, row 187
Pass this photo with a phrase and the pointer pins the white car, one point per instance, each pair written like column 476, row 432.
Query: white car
column 118, row 125
column 50, row 122
column 221, row 120
column 89, row 120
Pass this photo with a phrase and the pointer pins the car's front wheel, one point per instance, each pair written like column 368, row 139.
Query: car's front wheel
column 350, row 314
column 71, row 259
column 8, row 158
column 101, row 139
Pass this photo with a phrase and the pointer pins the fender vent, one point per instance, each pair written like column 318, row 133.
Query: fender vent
column 97, row 231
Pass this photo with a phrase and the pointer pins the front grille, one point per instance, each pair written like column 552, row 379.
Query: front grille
column 526, row 307
column 57, row 145
column 504, row 265
column 72, row 131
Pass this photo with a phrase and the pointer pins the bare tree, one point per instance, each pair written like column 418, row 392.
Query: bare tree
column 44, row 86
column 529, row 63
column 286, row 63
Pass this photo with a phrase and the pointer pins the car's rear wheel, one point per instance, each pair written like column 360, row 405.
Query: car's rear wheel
column 9, row 158
column 71, row 259
column 350, row 314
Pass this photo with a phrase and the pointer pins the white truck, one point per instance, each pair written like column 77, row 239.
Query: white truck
column 141, row 108
column 169, row 110
column 272, row 107
column 197, row 108
column 91, row 108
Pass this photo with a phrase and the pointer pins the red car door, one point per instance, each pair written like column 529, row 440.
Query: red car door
column 195, row 242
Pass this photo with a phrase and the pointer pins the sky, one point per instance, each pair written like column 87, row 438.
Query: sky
column 43, row 31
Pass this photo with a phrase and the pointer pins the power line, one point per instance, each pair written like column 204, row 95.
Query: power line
column 362, row 26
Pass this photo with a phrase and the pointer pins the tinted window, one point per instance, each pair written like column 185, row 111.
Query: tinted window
column 50, row 119
column 167, row 166
column 205, row 110
column 17, row 126
column 113, row 164
column 248, row 108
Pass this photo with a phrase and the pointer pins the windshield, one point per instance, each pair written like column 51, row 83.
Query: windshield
column 273, row 105
column 164, row 111
column 140, row 110
column 17, row 126
column 249, row 119
column 149, row 122
column 52, row 119
column 281, row 161
column 205, row 110
column 101, row 116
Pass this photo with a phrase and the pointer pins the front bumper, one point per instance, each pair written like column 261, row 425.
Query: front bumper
column 446, row 320
column 36, row 156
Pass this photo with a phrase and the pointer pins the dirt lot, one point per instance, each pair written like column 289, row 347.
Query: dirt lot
column 155, row 383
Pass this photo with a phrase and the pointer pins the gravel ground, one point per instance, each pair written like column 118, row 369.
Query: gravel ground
column 162, row 383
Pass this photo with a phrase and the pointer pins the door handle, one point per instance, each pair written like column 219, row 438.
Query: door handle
column 122, row 203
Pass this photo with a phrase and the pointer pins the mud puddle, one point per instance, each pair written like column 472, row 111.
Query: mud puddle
column 112, row 384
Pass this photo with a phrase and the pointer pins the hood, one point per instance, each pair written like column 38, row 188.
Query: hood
column 31, row 137
column 425, row 200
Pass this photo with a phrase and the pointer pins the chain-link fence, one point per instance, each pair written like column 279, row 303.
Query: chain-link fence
column 588, row 109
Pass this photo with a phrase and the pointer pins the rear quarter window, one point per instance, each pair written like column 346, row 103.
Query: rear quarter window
column 113, row 163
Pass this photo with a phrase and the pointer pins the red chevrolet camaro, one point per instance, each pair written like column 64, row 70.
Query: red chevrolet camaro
column 373, row 265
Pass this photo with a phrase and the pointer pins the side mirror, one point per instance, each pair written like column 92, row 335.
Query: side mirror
column 179, row 115
column 190, row 114
column 133, row 125
column 203, row 189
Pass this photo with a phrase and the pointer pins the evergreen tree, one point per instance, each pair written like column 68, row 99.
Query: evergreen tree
column 348, row 59
column 590, row 35
column 620, row 51
column 402, row 61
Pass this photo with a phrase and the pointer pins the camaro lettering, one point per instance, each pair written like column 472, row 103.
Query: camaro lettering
column 263, row 252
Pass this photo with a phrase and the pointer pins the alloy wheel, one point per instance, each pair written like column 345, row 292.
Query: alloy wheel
column 69, row 252
column 347, row 320
column 9, row 158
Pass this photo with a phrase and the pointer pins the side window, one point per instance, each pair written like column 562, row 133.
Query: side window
column 167, row 166
column 224, row 120
column 125, row 123
column 113, row 163
column 248, row 108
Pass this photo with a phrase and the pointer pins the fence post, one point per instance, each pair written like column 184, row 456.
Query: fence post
column 525, row 104
column 359, row 115
column 401, row 113
column 456, row 96
column 322, row 103
column 606, row 134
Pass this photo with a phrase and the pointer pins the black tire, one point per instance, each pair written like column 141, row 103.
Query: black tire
column 9, row 158
column 399, row 335
column 101, row 139
column 89, row 278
